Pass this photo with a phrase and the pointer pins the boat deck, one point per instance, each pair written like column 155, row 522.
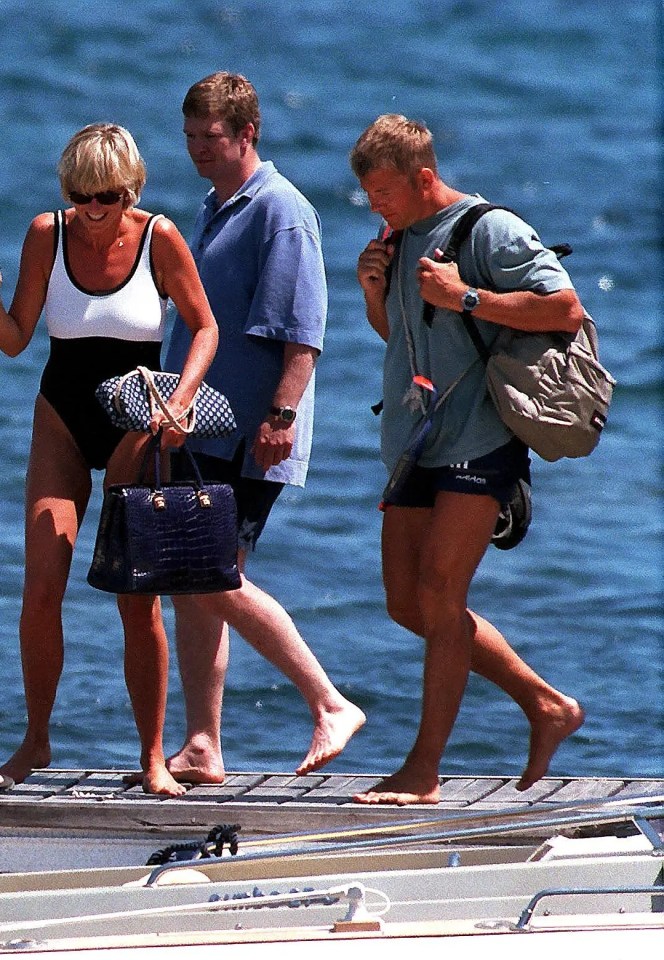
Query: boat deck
column 279, row 802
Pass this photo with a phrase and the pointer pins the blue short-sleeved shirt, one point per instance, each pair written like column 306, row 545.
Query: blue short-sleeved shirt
column 503, row 254
column 260, row 259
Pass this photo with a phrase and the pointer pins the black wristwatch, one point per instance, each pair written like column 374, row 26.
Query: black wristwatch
column 470, row 299
column 287, row 414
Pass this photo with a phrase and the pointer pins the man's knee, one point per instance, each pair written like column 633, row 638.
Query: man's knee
column 401, row 612
column 435, row 597
column 199, row 619
column 185, row 604
column 403, row 607
column 442, row 601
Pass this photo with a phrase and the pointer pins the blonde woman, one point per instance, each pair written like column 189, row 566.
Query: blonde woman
column 101, row 271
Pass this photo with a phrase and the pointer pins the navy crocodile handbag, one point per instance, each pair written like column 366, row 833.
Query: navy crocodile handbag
column 166, row 538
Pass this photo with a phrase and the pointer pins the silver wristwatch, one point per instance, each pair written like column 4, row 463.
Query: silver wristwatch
column 287, row 414
column 470, row 299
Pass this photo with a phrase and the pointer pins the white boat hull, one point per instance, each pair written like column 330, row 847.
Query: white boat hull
column 519, row 883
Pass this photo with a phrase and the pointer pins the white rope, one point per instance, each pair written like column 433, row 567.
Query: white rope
column 156, row 400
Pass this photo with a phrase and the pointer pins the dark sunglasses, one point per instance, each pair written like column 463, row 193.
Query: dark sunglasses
column 106, row 197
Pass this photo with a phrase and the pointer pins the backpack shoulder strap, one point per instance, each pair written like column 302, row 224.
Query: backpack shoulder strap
column 394, row 237
column 460, row 232
column 463, row 227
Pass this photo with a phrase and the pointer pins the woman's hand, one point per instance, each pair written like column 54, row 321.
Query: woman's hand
column 17, row 324
column 173, row 434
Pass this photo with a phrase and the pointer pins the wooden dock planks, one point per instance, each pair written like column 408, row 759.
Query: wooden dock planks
column 274, row 802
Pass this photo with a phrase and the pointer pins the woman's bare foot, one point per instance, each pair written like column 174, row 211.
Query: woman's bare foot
column 157, row 780
column 332, row 731
column 199, row 761
column 547, row 732
column 406, row 786
column 27, row 758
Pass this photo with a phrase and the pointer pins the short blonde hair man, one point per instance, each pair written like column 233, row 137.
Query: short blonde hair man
column 441, row 519
column 394, row 141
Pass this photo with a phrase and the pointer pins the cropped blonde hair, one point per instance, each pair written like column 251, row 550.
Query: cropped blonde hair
column 102, row 156
column 394, row 141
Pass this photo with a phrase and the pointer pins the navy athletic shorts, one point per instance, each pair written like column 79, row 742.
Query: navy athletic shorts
column 495, row 475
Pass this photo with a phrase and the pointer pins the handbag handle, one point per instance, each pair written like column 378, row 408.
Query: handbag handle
column 153, row 449
column 156, row 398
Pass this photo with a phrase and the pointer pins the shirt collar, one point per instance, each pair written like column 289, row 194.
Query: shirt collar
column 442, row 216
column 248, row 189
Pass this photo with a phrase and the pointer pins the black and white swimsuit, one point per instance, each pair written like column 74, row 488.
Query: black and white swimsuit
column 95, row 336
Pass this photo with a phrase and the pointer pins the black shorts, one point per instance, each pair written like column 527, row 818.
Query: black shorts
column 254, row 498
column 494, row 475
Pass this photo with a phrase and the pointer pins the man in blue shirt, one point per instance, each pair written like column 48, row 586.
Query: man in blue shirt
column 438, row 526
column 256, row 243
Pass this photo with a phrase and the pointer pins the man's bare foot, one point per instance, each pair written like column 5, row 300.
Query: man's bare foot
column 27, row 758
column 406, row 786
column 157, row 780
column 546, row 734
column 199, row 761
column 332, row 731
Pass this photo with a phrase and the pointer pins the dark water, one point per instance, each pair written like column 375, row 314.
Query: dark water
column 549, row 108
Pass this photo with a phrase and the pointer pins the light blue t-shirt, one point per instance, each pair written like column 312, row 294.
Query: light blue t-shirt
column 260, row 260
column 503, row 254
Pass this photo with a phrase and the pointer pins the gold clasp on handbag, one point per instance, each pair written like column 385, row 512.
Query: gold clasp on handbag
column 204, row 498
column 158, row 500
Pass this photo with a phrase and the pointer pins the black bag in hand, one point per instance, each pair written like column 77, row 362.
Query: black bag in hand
column 168, row 538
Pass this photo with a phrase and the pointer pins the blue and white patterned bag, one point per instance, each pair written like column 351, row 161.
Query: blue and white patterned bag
column 132, row 400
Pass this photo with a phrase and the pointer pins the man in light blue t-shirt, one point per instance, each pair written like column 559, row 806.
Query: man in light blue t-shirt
column 256, row 243
column 438, row 524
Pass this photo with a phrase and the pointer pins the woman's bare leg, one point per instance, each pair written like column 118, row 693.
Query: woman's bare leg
column 57, row 492
column 146, row 649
